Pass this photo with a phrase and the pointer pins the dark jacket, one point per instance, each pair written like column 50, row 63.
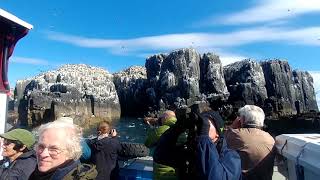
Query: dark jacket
column 74, row 170
column 21, row 168
column 105, row 155
column 206, row 162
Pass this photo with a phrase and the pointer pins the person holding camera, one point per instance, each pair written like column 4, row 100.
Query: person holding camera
column 205, row 156
column 105, row 149
column 255, row 146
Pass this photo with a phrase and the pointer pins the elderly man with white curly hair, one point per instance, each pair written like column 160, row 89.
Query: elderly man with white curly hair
column 58, row 151
column 255, row 146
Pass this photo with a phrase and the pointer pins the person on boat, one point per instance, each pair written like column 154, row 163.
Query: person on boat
column 19, row 158
column 207, row 158
column 255, row 146
column 58, row 151
column 161, row 124
column 167, row 119
column 105, row 151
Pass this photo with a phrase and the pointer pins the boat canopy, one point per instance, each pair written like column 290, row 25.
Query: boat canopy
column 12, row 29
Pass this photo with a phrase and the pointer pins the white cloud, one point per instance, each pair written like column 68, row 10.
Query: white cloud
column 316, row 84
column 25, row 60
column 269, row 11
column 225, row 57
column 230, row 58
column 305, row 36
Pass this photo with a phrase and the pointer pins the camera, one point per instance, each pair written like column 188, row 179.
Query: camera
column 189, row 117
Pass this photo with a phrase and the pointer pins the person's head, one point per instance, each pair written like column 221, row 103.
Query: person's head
column 68, row 120
column 167, row 118
column 59, row 143
column 215, row 122
column 104, row 127
column 16, row 142
column 251, row 116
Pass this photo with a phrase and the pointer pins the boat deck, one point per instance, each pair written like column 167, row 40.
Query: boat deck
column 142, row 168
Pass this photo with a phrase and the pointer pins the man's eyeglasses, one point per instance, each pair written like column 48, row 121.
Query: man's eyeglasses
column 53, row 151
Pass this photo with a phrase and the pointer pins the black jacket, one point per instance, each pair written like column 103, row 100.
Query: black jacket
column 105, row 156
column 72, row 170
column 21, row 168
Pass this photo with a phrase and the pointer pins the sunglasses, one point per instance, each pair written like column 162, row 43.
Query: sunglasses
column 7, row 142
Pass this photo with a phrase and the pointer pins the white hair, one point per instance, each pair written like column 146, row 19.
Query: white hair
column 65, row 119
column 72, row 139
column 252, row 115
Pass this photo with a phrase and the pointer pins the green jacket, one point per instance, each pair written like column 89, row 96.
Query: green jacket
column 82, row 172
column 160, row 172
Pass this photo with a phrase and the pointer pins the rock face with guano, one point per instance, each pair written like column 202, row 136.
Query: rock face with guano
column 78, row 91
column 212, row 80
column 131, row 85
column 246, row 83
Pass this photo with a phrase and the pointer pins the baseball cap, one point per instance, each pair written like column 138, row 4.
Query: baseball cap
column 22, row 135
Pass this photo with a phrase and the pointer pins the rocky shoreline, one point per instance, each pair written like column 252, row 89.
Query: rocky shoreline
column 167, row 81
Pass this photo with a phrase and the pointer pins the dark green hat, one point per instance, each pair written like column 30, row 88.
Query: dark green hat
column 22, row 135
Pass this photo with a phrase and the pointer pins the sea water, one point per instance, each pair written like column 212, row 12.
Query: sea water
column 129, row 129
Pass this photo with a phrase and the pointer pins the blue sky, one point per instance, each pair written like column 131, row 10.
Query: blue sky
column 116, row 34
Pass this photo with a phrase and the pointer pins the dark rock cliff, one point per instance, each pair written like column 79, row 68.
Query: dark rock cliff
column 305, row 98
column 184, row 76
column 131, row 85
column 212, row 80
column 179, row 76
column 246, row 83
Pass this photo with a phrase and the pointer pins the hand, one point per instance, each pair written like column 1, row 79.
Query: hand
column 101, row 136
column 150, row 121
column 203, row 125
column 147, row 121
column 113, row 132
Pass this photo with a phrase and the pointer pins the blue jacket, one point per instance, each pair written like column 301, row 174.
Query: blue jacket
column 86, row 151
column 212, row 165
column 21, row 168
column 208, row 164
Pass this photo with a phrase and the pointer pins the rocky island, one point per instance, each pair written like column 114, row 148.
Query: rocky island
column 167, row 81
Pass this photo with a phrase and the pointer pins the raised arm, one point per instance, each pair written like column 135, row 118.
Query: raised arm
column 211, row 165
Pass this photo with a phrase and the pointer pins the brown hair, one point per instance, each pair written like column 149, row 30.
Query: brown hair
column 104, row 127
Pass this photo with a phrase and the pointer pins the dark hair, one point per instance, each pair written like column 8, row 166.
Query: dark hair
column 18, row 145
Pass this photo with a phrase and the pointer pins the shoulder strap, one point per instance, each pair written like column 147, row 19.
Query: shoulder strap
column 82, row 172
